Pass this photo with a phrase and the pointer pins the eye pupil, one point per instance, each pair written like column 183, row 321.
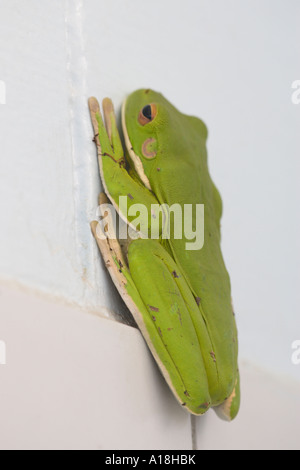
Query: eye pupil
column 147, row 112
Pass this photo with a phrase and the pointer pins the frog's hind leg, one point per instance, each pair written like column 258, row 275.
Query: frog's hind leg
column 169, row 319
column 160, row 301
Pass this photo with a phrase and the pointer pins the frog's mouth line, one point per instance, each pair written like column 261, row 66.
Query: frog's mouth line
column 134, row 157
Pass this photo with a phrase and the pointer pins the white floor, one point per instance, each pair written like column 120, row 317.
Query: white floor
column 73, row 380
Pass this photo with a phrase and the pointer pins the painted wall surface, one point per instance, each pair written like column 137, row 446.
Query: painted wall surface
column 234, row 64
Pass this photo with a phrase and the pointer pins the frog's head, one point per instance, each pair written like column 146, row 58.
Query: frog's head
column 154, row 129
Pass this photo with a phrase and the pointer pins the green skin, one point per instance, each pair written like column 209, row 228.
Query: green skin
column 181, row 298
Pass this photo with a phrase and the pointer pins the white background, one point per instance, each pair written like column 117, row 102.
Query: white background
column 232, row 64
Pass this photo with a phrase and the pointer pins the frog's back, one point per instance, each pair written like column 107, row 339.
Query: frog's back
column 203, row 268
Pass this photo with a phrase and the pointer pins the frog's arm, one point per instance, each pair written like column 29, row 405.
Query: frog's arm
column 116, row 179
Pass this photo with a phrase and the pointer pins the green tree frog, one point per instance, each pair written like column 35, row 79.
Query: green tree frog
column 180, row 298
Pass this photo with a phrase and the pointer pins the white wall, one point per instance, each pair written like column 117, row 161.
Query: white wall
column 233, row 64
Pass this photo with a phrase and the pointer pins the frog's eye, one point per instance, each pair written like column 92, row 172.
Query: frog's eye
column 147, row 114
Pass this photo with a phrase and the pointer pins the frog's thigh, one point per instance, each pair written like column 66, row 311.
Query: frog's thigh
column 168, row 301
